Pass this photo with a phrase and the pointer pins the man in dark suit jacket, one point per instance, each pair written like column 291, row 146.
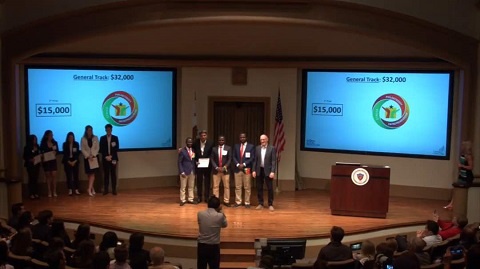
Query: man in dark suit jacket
column 186, row 169
column 109, row 148
column 243, row 156
column 264, row 170
column 333, row 251
column 220, row 160
column 203, row 149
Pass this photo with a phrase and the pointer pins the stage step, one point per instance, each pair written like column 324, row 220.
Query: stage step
column 235, row 255
column 236, row 265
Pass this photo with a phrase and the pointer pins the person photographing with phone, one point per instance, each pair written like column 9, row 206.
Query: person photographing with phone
column 210, row 223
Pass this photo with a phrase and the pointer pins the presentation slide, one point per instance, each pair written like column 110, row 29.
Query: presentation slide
column 369, row 112
column 138, row 103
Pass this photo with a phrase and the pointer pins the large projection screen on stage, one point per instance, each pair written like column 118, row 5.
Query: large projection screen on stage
column 394, row 113
column 140, row 103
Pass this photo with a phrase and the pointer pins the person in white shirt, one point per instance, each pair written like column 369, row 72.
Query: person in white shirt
column 90, row 148
column 430, row 233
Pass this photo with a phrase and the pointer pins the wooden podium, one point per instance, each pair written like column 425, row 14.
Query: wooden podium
column 354, row 199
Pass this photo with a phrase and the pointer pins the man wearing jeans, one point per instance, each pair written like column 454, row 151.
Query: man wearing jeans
column 210, row 223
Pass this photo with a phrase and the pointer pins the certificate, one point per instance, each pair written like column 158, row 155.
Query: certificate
column 49, row 156
column 37, row 159
column 93, row 163
column 203, row 162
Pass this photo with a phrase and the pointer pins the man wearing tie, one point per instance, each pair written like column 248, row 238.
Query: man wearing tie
column 264, row 170
column 243, row 156
column 186, row 169
column 203, row 149
column 108, row 148
column 220, row 160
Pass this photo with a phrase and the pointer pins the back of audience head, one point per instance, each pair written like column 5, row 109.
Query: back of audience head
column 417, row 245
column 3, row 252
column 214, row 202
column 392, row 243
column 368, row 249
column 101, row 260
column 337, row 234
column 267, row 262
column 468, row 236
column 58, row 228
column 407, row 260
column 136, row 242
column 45, row 217
column 461, row 221
column 121, row 254
column 473, row 257
column 82, row 233
column 17, row 209
column 157, row 256
column 57, row 243
column 56, row 259
column 22, row 242
column 432, row 227
column 109, row 240
column 85, row 250
column 24, row 220
column 384, row 249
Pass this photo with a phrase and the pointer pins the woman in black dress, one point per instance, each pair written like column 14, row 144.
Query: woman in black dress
column 71, row 151
column 90, row 148
column 49, row 144
column 31, row 161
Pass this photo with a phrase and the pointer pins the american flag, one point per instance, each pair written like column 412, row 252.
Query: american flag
column 279, row 136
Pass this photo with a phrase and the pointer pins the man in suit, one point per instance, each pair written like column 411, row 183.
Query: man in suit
column 108, row 148
column 220, row 160
column 264, row 170
column 186, row 169
column 243, row 156
column 203, row 149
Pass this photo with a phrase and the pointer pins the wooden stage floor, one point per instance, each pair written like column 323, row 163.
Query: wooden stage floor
column 299, row 214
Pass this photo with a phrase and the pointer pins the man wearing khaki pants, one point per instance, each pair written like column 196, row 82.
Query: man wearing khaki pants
column 186, row 169
column 220, row 160
column 243, row 156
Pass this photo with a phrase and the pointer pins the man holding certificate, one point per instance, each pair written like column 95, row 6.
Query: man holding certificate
column 221, row 159
column 202, row 148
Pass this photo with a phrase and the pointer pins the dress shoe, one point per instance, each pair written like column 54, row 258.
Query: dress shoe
column 247, row 206
column 226, row 204
column 236, row 205
column 182, row 203
column 259, row 207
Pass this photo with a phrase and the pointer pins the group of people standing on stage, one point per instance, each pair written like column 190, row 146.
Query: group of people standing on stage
column 201, row 158
column 35, row 155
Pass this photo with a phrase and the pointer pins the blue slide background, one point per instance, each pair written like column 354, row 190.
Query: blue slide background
column 153, row 90
column 424, row 133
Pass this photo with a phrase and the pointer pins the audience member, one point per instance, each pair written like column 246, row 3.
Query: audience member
column 384, row 255
column 266, row 262
column 83, row 256
column 157, row 256
column 108, row 244
column 121, row 256
column 4, row 255
column 56, row 259
column 335, row 250
column 473, row 257
column 417, row 246
column 407, row 260
column 430, row 233
column 41, row 230
column 468, row 236
column 58, row 230
column 24, row 221
column 367, row 253
column 101, row 260
column 21, row 243
column 139, row 257
column 5, row 230
column 56, row 244
column 452, row 228
column 17, row 209
column 82, row 233
column 210, row 223
column 392, row 244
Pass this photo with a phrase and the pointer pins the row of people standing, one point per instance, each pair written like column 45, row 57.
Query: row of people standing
column 35, row 156
column 203, row 159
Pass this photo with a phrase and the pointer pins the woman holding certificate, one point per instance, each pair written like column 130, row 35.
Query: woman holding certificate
column 32, row 159
column 90, row 148
column 49, row 149
column 71, row 151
